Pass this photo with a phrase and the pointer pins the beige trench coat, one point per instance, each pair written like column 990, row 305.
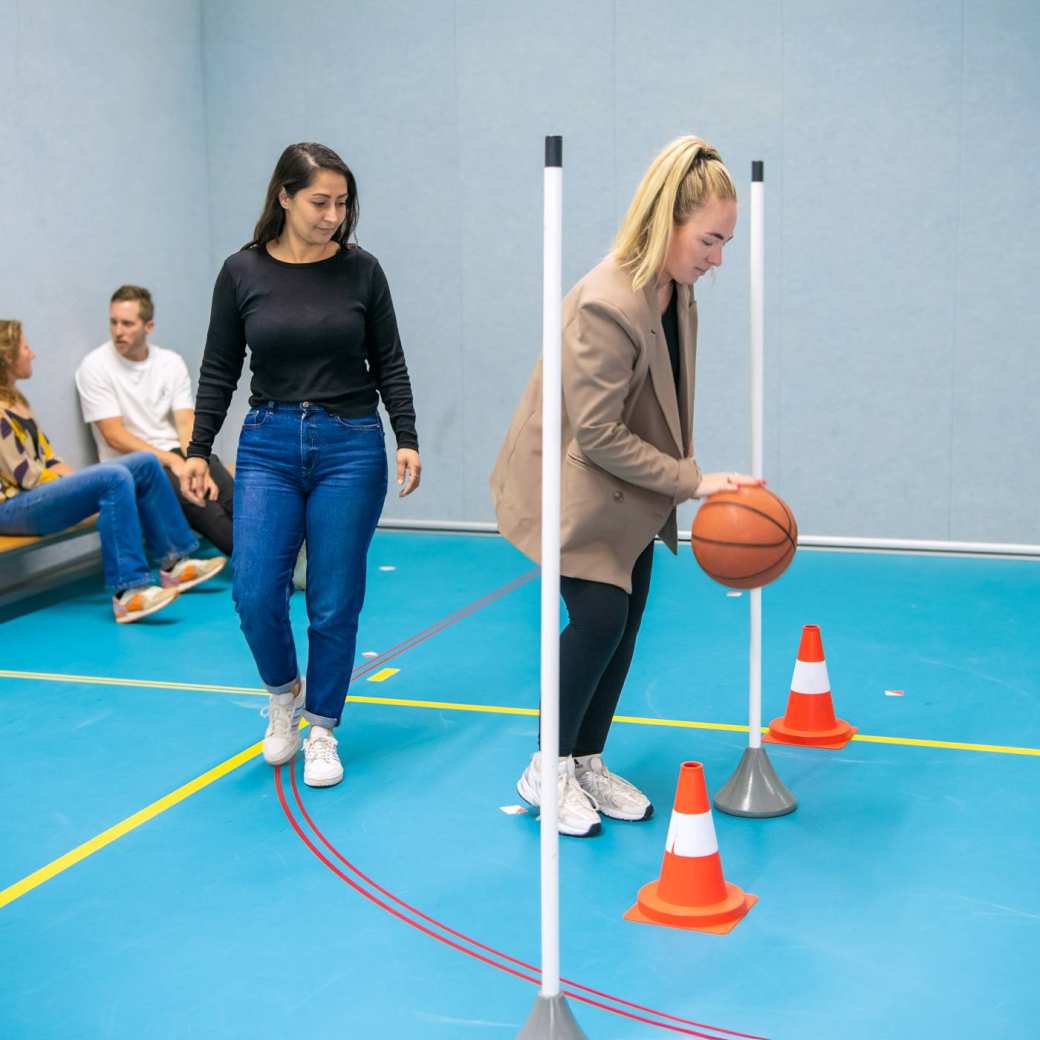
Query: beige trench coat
column 627, row 450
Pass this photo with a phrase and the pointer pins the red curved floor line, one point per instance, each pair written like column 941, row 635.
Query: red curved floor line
column 368, row 895
column 473, row 942
column 490, row 949
column 448, row 942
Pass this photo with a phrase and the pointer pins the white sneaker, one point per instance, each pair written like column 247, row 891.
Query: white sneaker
column 322, row 766
column 282, row 739
column 614, row 795
column 577, row 814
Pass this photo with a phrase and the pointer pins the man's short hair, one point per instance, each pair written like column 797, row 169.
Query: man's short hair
column 141, row 295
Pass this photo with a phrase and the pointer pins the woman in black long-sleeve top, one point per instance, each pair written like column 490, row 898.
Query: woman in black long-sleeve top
column 316, row 313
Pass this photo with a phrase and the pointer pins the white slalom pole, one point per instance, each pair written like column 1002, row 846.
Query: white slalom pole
column 552, row 280
column 757, row 396
column 754, row 789
column 551, row 1018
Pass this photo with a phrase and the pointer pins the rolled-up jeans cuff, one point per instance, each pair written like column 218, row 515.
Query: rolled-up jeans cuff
column 320, row 720
column 284, row 688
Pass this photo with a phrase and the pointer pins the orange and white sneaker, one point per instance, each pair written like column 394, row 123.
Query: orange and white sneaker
column 135, row 604
column 186, row 574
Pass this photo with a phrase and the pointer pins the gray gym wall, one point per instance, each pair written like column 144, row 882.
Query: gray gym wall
column 901, row 142
column 103, row 180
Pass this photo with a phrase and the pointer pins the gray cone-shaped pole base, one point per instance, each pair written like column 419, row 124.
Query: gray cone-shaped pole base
column 551, row 1019
column 755, row 789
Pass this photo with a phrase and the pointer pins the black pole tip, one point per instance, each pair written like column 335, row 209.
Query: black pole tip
column 757, row 168
column 554, row 151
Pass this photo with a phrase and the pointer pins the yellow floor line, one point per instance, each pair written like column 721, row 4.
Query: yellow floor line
column 636, row 720
column 106, row 837
column 149, row 812
column 383, row 674
column 401, row 702
column 494, row 709
column 999, row 749
column 101, row 680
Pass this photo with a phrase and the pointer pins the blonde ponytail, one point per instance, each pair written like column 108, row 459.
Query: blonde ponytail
column 678, row 182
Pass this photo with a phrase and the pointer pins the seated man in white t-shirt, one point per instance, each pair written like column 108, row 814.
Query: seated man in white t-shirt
column 137, row 397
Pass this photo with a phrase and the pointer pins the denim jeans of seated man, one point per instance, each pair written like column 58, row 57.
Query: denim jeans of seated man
column 136, row 507
column 302, row 472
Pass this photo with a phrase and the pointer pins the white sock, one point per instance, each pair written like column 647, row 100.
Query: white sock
column 317, row 731
column 582, row 762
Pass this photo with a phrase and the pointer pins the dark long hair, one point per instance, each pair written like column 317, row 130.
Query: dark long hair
column 295, row 170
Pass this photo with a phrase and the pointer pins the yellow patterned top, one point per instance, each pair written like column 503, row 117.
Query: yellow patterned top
column 26, row 462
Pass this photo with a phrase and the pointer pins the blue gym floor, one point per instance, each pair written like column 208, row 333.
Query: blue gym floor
column 901, row 900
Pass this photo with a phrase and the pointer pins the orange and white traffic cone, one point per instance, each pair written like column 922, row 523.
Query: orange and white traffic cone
column 809, row 719
column 692, row 892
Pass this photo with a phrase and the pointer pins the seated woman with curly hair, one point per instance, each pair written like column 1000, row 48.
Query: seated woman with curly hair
column 40, row 494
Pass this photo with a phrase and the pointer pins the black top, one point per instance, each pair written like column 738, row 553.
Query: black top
column 670, row 321
column 323, row 332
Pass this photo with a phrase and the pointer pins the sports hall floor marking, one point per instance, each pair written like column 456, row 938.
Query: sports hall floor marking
column 500, row 709
column 106, row 837
column 368, row 887
column 149, row 812
column 383, row 674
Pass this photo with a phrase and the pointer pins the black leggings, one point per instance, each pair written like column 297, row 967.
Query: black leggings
column 595, row 652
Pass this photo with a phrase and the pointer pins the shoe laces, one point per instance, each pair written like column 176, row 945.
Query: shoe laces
column 572, row 794
column 607, row 785
column 321, row 748
column 279, row 719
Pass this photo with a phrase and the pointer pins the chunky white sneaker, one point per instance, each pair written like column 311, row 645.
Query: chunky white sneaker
column 282, row 739
column 186, row 574
column 322, row 767
column 138, row 603
column 614, row 795
column 577, row 814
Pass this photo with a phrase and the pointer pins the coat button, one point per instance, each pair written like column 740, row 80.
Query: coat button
column 619, row 496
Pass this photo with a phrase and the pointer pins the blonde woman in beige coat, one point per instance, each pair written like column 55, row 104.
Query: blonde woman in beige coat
column 629, row 348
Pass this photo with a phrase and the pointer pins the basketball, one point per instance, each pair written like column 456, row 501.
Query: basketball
column 745, row 538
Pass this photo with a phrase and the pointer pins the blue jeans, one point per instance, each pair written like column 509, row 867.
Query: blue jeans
column 135, row 504
column 302, row 472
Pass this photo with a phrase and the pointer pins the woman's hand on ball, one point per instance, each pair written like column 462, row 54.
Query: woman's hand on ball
column 711, row 483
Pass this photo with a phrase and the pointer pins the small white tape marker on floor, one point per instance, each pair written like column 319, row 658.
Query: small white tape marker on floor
column 512, row 810
column 369, row 653
column 734, row 594
column 388, row 568
column 895, row 693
